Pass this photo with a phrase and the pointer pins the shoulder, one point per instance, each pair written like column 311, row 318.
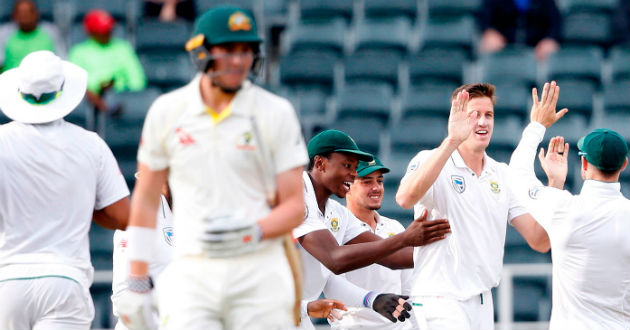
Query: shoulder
column 270, row 102
column 391, row 223
column 173, row 103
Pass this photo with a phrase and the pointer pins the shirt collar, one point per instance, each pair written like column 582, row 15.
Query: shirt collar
column 601, row 188
column 200, row 108
column 458, row 161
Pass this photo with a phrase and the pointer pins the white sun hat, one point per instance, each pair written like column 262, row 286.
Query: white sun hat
column 42, row 89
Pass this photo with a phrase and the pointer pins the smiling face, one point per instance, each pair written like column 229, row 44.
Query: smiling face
column 482, row 132
column 338, row 172
column 367, row 191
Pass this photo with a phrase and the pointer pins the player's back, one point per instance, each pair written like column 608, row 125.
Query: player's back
column 49, row 180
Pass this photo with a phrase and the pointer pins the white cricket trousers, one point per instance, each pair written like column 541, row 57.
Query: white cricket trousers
column 252, row 291
column 443, row 313
column 45, row 303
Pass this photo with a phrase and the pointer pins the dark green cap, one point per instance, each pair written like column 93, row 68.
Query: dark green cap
column 366, row 168
column 333, row 140
column 227, row 24
column 604, row 148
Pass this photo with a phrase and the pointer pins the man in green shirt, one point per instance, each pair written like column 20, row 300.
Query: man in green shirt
column 110, row 62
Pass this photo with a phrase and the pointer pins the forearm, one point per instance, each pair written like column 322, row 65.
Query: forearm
column 283, row 218
column 339, row 288
column 401, row 259
column 412, row 189
column 362, row 252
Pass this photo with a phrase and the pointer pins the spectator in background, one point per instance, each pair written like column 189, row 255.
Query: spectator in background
column 110, row 61
column 534, row 23
column 25, row 35
column 170, row 10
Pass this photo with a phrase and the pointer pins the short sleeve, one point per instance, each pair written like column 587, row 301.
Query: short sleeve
column 426, row 202
column 544, row 201
column 152, row 151
column 288, row 148
column 311, row 222
column 354, row 228
column 515, row 208
column 110, row 184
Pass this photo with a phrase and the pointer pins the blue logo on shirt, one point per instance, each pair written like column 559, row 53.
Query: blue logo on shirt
column 458, row 183
column 168, row 235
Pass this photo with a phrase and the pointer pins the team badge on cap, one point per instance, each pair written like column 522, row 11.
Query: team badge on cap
column 239, row 22
column 334, row 225
column 168, row 235
column 458, row 183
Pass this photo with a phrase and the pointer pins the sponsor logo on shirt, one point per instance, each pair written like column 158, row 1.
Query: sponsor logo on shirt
column 245, row 141
column 184, row 138
column 533, row 192
column 494, row 187
column 458, row 183
column 334, row 225
column 168, row 235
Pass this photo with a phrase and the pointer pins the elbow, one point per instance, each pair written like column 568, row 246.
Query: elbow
column 403, row 200
column 542, row 248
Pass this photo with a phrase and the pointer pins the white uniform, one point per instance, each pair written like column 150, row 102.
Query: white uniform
column 589, row 240
column 53, row 177
column 377, row 278
column 213, row 168
column 453, row 277
column 341, row 223
column 162, row 256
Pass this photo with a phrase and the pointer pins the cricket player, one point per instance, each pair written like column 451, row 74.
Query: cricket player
column 162, row 257
column 588, row 231
column 459, row 181
column 333, row 240
column 363, row 200
column 55, row 179
column 217, row 140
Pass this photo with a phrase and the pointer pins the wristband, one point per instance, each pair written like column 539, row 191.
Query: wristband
column 368, row 300
column 141, row 284
column 141, row 243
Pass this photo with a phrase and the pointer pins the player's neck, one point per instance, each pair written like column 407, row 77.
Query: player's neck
column 473, row 158
column 364, row 214
column 321, row 192
column 214, row 97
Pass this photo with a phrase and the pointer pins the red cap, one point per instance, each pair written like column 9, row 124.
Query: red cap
column 98, row 21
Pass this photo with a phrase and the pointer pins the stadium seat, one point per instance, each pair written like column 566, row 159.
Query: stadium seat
column 531, row 299
column 318, row 9
column 397, row 161
column 79, row 115
column 518, row 251
column 506, row 133
column 326, row 35
column 384, row 33
column 573, row 6
column 584, row 63
column 308, row 102
column 391, row 209
column 391, row 8
column 161, row 37
column 512, row 65
column 513, row 100
column 618, row 122
column 101, row 247
column 6, row 10
column 308, row 69
column 203, row 5
column 167, row 71
column 453, row 8
column 103, row 316
column 619, row 62
column 417, row 133
column 577, row 95
column 586, row 28
column 119, row 9
column 426, row 102
column 617, row 97
column 46, row 9
column 365, row 100
column 135, row 104
column 452, row 33
column 375, row 66
column 365, row 132
column 572, row 127
column 443, row 65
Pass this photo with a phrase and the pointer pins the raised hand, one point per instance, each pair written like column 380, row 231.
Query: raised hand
column 555, row 162
column 423, row 232
column 460, row 122
column 544, row 110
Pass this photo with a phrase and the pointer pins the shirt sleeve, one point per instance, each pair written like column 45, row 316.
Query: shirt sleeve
column 426, row 202
column 152, row 150
column 110, row 185
column 288, row 148
column 339, row 288
column 311, row 222
column 354, row 226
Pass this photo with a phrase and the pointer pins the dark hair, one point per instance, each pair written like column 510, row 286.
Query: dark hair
column 476, row 90
column 311, row 162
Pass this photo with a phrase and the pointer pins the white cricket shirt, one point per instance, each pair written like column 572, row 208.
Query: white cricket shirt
column 469, row 261
column 589, row 243
column 377, row 278
column 216, row 167
column 52, row 178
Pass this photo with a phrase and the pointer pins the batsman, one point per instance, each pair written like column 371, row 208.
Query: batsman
column 233, row 155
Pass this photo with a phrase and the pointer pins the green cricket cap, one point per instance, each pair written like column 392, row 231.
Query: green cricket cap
column 223, row 24
column 366, row 168
column 333, row 140
column 604, row 148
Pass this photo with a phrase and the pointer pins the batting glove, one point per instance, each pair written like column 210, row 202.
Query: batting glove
column 387, row 304
column 135, row 305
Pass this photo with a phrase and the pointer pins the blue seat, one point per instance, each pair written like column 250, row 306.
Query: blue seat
column 161, row 37
column 391, row 209
column 418, row 133
column 376, row 66
column 617, row 98
column 46, row 9
column 586, row 28
column 531, row 299
column 506, row 132
column 365, row 132
column 512, row 65
column 101, row 247
column 203, row 5
column 318, row 9
column 518, row 251
column 437, row 65
column 619, row 62
column 584, row 63
column 365, row 100
column 309, row 102
column 135, row 104
column 384, row 33
column 577, row 95
column 308, row 69
column 573, row 6
column 426, row 102
column 391, row 8
column 512, row 100
column 451, row 33
column 453, row 8
column 326, row 35
column 167, row 70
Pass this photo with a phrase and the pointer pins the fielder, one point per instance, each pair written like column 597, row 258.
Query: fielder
column 460, row 182
column 363, row 200
column 229, row 269
column 333, row 240
column 56, row 177
column 588, row 231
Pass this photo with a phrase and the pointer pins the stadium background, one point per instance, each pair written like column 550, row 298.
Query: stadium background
column 383, row 71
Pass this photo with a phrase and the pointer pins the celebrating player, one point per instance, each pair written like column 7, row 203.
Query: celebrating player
column 458, row 180
column 54, row 176
column 216, row 139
